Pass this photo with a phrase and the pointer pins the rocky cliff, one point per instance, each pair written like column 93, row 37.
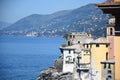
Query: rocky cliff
column 55, row 72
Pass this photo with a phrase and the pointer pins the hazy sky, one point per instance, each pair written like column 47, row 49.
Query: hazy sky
column 13, row 10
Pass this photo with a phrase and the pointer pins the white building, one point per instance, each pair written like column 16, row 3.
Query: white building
column 76, row 57
column 69, row 57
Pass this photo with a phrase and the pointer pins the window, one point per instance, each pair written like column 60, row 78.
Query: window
column 74, row 51
column 68, row 43
column 69, row 51
column 106, row 45
column 106, row 55
column 84, row 45
column 86, row 52
column 104, row 66
column 87, row 46
column 97, row 45
column 70, row 36
column 111, row 31
column 78, row 41
column 73, row 36
column 109, row 71
column 109, row 66
column 61, row 50
column 109, row 78
column 68, row 59
column 73, row 59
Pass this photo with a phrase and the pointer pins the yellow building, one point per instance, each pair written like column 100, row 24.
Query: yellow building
column 99, row 52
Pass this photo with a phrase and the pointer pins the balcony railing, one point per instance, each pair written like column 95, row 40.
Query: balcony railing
column 83, row 67
column 69, row 62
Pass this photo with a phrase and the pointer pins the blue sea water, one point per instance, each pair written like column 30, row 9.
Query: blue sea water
column 22, row 58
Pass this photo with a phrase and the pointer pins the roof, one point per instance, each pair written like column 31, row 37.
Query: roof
column 88, row 40
column 76, row 46
column 115, row 2
column 101, row 40
column 111, row 7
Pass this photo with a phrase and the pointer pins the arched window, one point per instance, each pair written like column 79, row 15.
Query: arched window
column 106, row 55
column 111, row 31
column 109, row 77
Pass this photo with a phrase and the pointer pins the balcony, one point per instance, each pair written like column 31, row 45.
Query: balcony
column 69, row 62
column 83, row 67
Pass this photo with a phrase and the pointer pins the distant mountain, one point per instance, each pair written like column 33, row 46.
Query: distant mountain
column 87, row 18
column 4, row 24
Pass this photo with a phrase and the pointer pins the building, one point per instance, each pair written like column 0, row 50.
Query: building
column 110, row 36
column 77, row 38
column 99, row 52
column 113, row 8
column 95, row 59
column 75, row 48
column 69, row 57
column 84, row 60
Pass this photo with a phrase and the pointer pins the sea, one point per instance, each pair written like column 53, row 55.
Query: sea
column 22, row 58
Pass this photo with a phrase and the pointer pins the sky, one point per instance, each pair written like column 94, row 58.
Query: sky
column 13, row 10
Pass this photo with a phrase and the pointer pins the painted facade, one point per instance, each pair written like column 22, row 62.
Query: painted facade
column 113, row 8
column 117, row 57
column 99, row 52
column 110, row 36
column 114, row 47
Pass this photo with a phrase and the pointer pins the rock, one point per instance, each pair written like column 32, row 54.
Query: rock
column 51, row 74
column 48, row 74
column 66, row 76
column 55, row 72
column 59, row 64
